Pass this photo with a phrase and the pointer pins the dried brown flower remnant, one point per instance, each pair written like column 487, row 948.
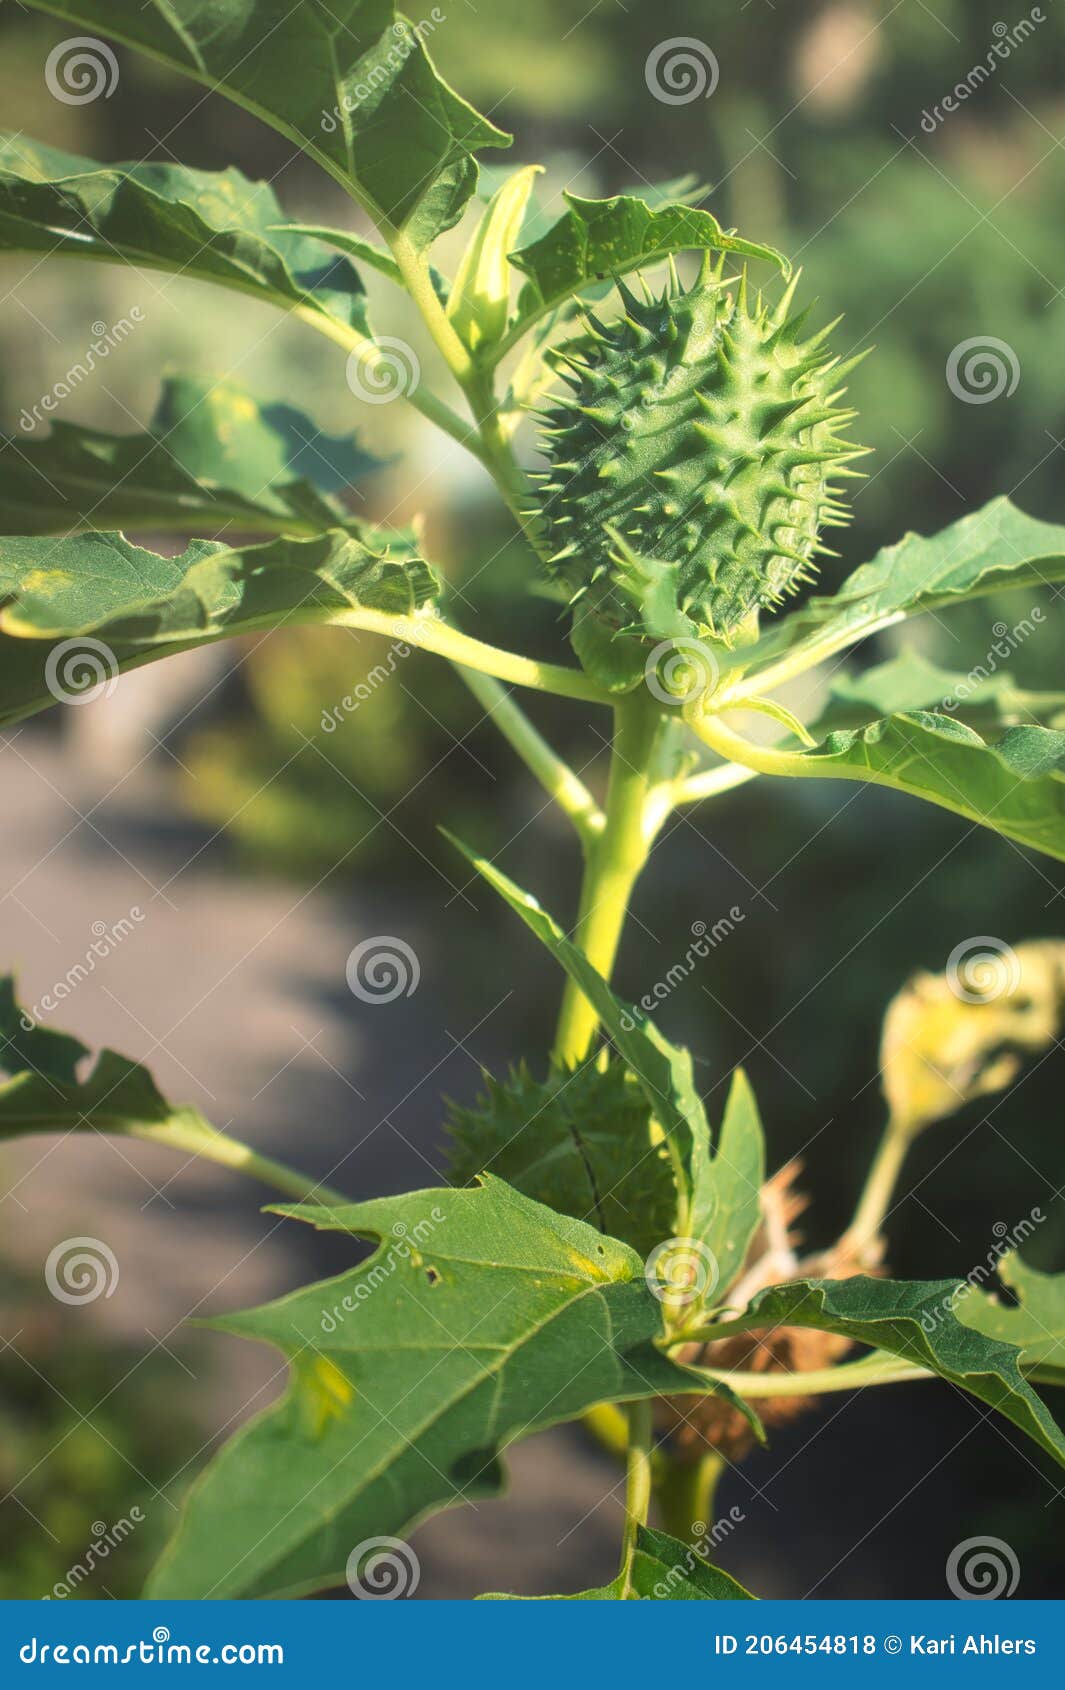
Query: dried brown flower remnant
column 772, row 1260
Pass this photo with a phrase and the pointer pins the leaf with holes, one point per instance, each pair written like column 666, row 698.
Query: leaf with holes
column 918, row 1321
column 1035, row 1323
column 480, row 1317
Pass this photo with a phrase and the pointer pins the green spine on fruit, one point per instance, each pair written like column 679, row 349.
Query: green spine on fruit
column 691, row 468
column 581, row 1142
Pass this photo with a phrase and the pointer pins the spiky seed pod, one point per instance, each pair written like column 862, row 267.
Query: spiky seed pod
column 702, row 432
column 583, row 1144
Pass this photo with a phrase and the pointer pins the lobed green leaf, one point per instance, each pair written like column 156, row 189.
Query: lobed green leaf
column 55, row 1085
column 98, row 594
column 581, row 1142
column 216, row 226
column 481, row 1317
column 1014, row 784
column 919, row 1321
column 598, row 240
column 718, row 1192
column 351, row 83
column 984, row 699
column 995, row 548
column 1035, row 1323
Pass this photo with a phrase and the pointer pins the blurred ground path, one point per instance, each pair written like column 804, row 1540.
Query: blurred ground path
column 233, row 991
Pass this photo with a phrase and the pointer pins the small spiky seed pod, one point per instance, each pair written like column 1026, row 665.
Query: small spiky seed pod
column 701, row 436
column 584, row 1145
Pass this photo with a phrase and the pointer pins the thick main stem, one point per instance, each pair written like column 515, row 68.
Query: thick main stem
column 613, row 863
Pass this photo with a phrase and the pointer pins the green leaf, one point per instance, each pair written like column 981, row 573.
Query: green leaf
column 213, row 456
column 113, row 606
column 982, row 699
column 917, row 1320
column 480, row 1318
column 1014, row 785
column 719, row 1193
column 726, row 1199
column 1035, row 1323
column 214, row 225
column 663, row 1570
column 907, row 681
column 994, row 548
column 351, row 83
column 597, row 240
column 581, row 1143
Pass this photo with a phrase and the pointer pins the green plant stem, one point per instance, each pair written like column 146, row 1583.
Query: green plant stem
column 637, row 1484
column 420, row 397
column 613, row 862
column 428, row 632
column 876, row 1369
column 711, row 783
column 418, row 279
column 685, row 1492
column 807, row 655
column 760, row 759
column 189, row 1134
column 554, row 774
column 878, row 1191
